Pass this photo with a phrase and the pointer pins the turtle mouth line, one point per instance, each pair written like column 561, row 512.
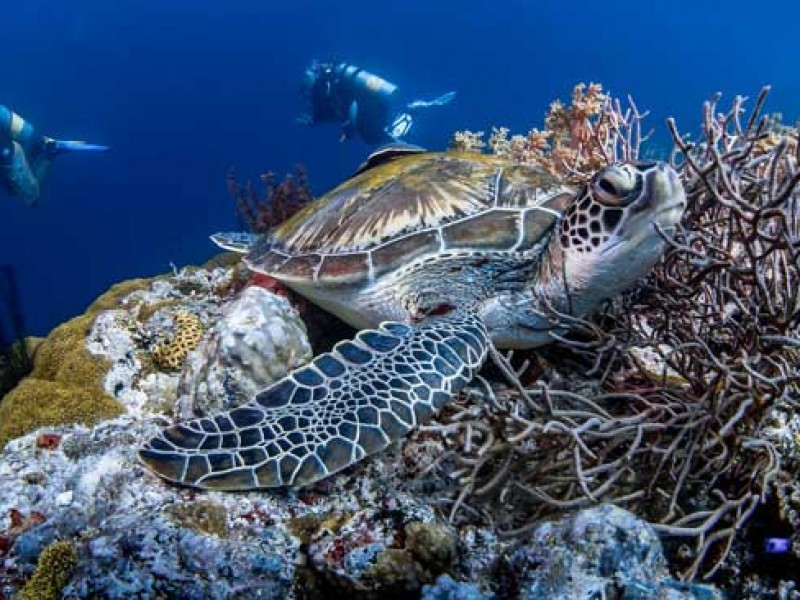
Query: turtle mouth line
column 669, row 208
column 614, row 246
column 668, row 217
column 660, row 226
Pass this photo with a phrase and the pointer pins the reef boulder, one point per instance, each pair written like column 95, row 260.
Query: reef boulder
column 257, row 340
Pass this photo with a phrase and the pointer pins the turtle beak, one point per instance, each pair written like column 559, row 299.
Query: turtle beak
column 667, row 187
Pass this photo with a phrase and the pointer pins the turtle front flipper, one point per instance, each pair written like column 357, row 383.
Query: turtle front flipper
column 343, row 406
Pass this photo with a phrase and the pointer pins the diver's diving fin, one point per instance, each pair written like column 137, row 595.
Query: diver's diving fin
column 440, row 101
column 443, row 99
column 77, row 146
column 235, row 241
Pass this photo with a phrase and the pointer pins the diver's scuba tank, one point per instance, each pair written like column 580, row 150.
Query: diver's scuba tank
column 360, row 79
column 15, row 127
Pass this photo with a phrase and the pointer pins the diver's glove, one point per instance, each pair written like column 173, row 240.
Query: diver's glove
column 440, row 101
column 400, row 126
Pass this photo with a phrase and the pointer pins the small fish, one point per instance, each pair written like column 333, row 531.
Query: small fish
column 777, row 545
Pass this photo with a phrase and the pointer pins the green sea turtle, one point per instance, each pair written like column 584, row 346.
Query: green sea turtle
column 435, row 256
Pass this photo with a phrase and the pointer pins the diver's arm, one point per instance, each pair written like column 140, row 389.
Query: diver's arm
column 17, row 128
column 16, row 173
column 350, row 126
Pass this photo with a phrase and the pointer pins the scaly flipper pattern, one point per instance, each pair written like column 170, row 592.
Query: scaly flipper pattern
column 343, row 406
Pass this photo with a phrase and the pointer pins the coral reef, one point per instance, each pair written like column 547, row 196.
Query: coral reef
column 679, row 438
column 602, row 552
column 383, row 551
column 75, row 480
column 468, row 141
column 677, row 402
column 446, row 588
column 65, row 385
column 277, row 203
column 143, row 538
column 206, row 517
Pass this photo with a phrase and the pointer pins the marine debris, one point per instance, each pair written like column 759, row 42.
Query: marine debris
column 260, row 212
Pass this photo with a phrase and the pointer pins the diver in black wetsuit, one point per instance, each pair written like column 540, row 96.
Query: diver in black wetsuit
column 25, row 157
column 363, row 103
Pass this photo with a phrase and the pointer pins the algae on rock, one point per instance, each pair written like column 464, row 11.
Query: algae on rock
column 66, row 384
column 53, row 571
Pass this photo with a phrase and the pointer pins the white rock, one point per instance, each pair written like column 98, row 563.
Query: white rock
column 64, row 498
column 258, row 339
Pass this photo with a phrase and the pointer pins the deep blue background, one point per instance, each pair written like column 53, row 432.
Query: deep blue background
column 184, row 89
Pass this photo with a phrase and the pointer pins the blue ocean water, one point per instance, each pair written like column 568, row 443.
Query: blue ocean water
column 183, row 90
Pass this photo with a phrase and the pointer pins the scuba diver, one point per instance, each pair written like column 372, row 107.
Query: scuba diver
column 25, row 157
column 363, row 103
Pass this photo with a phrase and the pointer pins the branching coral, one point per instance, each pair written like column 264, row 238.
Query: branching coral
column 721, row 316
column 279, row 201
column 577, row 140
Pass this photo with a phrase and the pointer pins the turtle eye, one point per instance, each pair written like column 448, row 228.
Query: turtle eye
column 613, row 185
column 607, row 186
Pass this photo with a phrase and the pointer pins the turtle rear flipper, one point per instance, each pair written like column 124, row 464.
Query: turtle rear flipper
column 343, row 406
column 235, row 241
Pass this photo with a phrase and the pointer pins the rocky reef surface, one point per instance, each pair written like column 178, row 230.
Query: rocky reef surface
column 79, row 517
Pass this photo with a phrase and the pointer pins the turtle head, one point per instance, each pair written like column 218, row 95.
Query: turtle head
column 612, row 234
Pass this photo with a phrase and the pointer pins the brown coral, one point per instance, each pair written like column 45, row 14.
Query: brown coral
column 206, row 517
column 189, row 330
